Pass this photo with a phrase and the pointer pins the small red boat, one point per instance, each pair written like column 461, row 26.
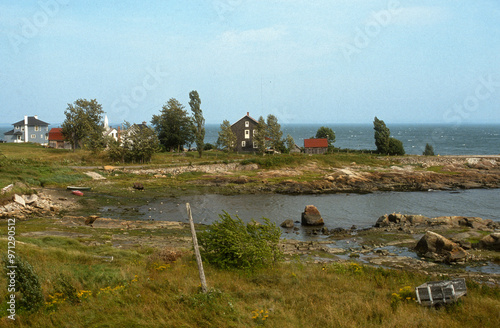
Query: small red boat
column 77, row 192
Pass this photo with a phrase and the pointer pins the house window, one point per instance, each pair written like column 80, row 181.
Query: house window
column 253, row 132
column 33, row 136
column 17, row 127
column 255, row 144
column 243, row 143
column 247, row 124
column 37, row 128
column 18, row 137
column 247, row 134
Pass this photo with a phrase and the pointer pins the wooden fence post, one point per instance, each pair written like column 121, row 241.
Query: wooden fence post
column 197, row 250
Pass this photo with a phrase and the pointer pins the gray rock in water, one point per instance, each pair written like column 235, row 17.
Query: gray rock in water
column 311, row 216
column 439, row 248
column 287, row 224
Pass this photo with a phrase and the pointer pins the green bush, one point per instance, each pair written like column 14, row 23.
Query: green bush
column 27, row 283
column 396, row 147
column 229, row 243
column 429, row 150
column 66, row 288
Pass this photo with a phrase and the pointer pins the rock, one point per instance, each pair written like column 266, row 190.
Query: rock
column 491, row 242
column 19, row 199
column 29, row 199
column 311, row 216
column 7, row 189
column 95, row 175
column 439, row 248
column 109, row 168
column 400, row 219
column 91, row 219
column 138, row 186
column 287, row 224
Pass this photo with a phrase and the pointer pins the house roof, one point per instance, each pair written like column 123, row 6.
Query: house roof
column 316, row 143
column 32, row 121
column 55, row 134
column 248, row 117
column 9, row 133
column 109, row 130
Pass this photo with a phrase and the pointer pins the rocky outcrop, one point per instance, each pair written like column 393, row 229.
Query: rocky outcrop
column 205, row 168
column 23, row 206
column 311, row 216
column 441, row 249
column 491, row 242
column 408, row 220
column 397, row 219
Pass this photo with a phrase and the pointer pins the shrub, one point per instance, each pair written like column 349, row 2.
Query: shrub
column 27, row 283
column 66, row 288
column 429, row 150
column 229, row 243
column 396, row 147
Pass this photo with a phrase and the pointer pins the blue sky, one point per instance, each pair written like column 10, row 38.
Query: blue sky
column 342, row 61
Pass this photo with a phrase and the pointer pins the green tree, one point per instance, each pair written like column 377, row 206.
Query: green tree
column 382, row 136
column 327, row 133
column 395, row 147
column 260, row 135
column 273, row 132
column 198, row 119
column 429, row 150
column 83, row 126
column 290, row 143
column 140, row 142
column 227, row 139
column 173, row 126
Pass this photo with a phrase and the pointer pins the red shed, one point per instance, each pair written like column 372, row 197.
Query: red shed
column 316, row 146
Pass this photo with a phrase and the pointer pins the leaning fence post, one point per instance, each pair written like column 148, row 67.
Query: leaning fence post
column 197, row 250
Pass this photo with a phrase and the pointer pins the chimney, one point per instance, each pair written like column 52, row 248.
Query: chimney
column 248, row 113
column 36, row 117
column 144, row 122
column 26, row 128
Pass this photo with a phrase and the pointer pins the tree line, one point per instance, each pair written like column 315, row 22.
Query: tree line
column 174, row 127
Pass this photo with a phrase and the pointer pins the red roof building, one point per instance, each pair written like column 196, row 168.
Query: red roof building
column 316, row 146
column 57, row 140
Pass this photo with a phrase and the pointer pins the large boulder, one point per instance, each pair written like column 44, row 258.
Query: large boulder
column 491, row 242
column 439, row 248
column 311, row 216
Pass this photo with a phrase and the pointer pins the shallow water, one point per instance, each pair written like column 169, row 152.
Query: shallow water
column 338, row 210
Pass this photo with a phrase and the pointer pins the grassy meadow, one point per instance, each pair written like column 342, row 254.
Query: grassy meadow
column 148, row 287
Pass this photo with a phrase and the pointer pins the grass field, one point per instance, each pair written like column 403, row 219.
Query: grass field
column 147, row 287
